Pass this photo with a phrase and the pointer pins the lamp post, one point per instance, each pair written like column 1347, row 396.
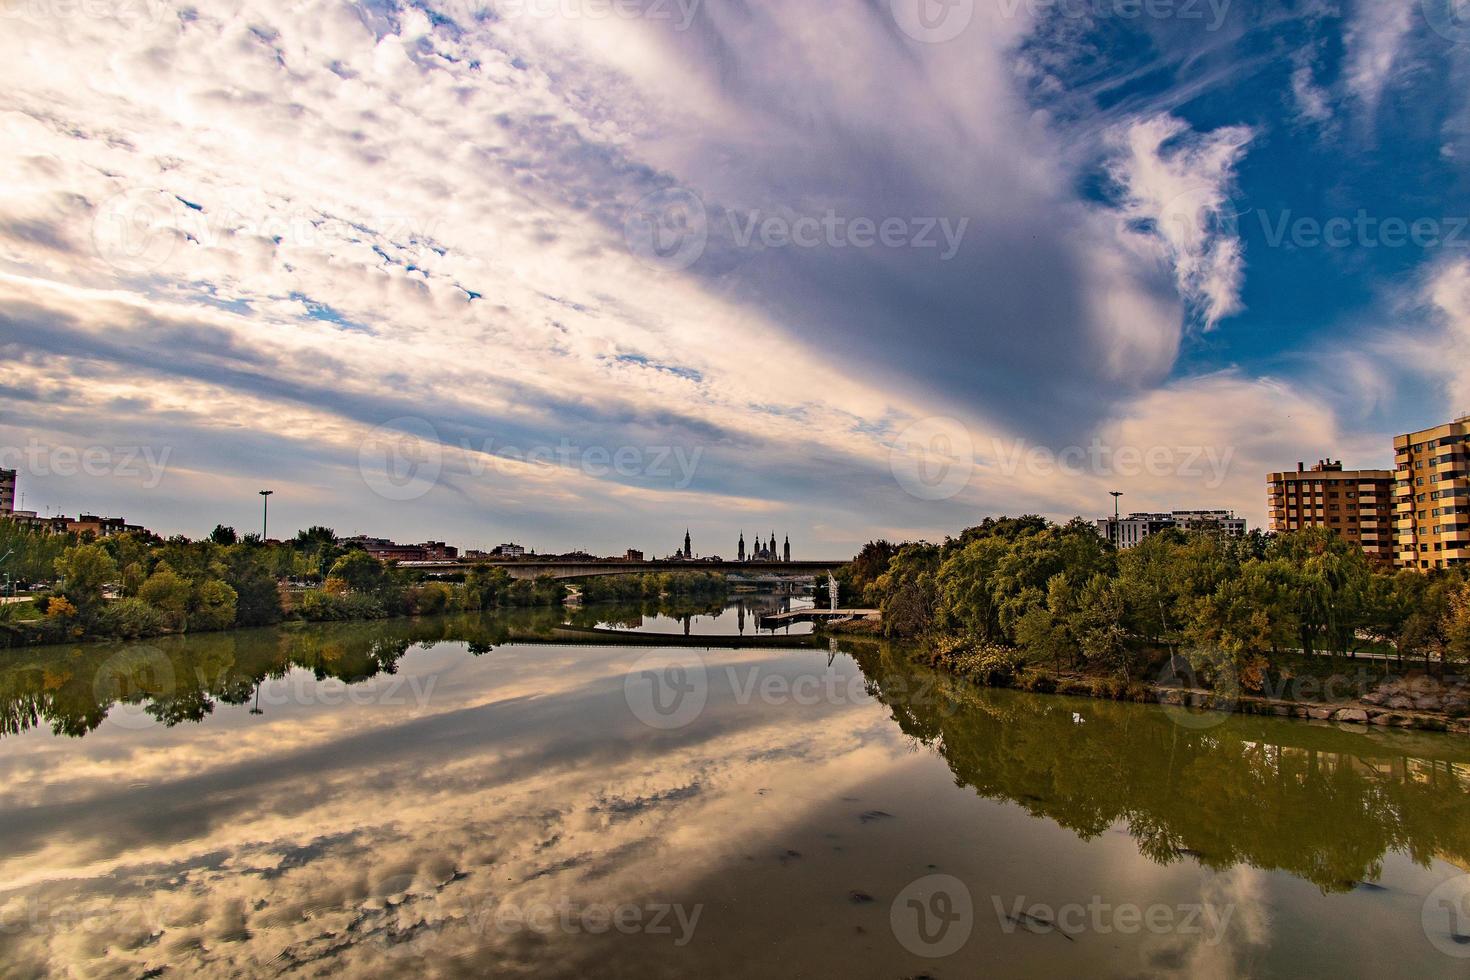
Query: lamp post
column 1117, row 521
column 265, row 513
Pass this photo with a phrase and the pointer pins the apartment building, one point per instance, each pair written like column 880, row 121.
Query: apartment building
column 1358, row 504
column 1129, row 532
column 7, row 492
column 1432, row 496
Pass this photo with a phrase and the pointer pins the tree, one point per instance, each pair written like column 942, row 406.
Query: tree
column 222, row 535
column 168, row 593
column 359, row 572
column 906, row 592
column 1098, row 623
column 84, row 570
column 1456, row 627
column 257, row 597
column 214, row 607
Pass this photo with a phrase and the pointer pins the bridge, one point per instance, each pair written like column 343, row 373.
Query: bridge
column 568, row 570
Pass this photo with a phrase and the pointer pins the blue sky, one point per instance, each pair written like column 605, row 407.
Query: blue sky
column 578, row 273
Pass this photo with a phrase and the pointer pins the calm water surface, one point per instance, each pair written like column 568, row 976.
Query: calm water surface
column 737, row 616
column 453, row 798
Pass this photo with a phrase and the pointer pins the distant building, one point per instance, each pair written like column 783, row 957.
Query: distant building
column 1221, row 521
column 7, row 492
column 763, row 551
column 1354, row 503
column 509, row 551
column 386, row 550
column 633, row 555
column 1432, row 496
column 100, row 527
column 1130, row 532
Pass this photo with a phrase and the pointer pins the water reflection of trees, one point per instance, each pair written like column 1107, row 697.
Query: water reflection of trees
column 1316, row 801
column 181, row 679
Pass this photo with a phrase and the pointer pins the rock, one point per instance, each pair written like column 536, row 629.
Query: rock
column 1399, row 703
column 1383, row 718
column 1456, row 706
column 1355, row 716
column 1428, row 702
column 1377, row 697
column 1321, row 714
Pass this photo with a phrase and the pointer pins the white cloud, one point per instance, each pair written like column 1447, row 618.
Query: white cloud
column 1178, row 183
column 1312, row 100
column 1448, row 355
column 1375, row 40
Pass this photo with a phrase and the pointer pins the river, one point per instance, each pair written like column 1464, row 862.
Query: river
column 460, row 796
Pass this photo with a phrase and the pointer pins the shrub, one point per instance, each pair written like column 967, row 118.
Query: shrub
column 432, row 598
column 215, row 609
column 990, row 665
column 130, row 619
column 1038, row 681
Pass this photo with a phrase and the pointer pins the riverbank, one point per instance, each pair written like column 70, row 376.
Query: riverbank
column 1413, row 700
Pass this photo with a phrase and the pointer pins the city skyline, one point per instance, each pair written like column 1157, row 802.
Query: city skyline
column 509, row 247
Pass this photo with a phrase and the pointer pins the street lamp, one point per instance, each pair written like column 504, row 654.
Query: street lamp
column 1117, row 522
column 265, row 513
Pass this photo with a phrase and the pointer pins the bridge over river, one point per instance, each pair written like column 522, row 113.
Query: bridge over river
column 569, row 570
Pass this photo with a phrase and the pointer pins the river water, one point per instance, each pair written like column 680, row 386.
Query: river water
column 463, row 797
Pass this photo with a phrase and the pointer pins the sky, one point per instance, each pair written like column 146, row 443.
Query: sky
column 581, row 274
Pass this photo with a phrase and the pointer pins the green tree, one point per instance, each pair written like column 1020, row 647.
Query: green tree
column 1456, row 627
column 359, row 572
column 214, row 607
column 84, row 570
column 170, row 594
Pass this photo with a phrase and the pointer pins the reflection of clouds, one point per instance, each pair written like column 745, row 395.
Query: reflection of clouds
column 352, row 838
column 379, row 840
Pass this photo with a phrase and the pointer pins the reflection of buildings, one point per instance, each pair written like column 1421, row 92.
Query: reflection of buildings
column 758, row 605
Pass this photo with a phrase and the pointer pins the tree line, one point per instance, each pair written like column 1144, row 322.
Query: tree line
column 135, row 585
column 1025, row 590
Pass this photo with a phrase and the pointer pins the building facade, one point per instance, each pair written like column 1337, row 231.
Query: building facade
column 763, row 551
column 7, row 492
column 1129, row 532
column 1358, row 504
column 1432, row 496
